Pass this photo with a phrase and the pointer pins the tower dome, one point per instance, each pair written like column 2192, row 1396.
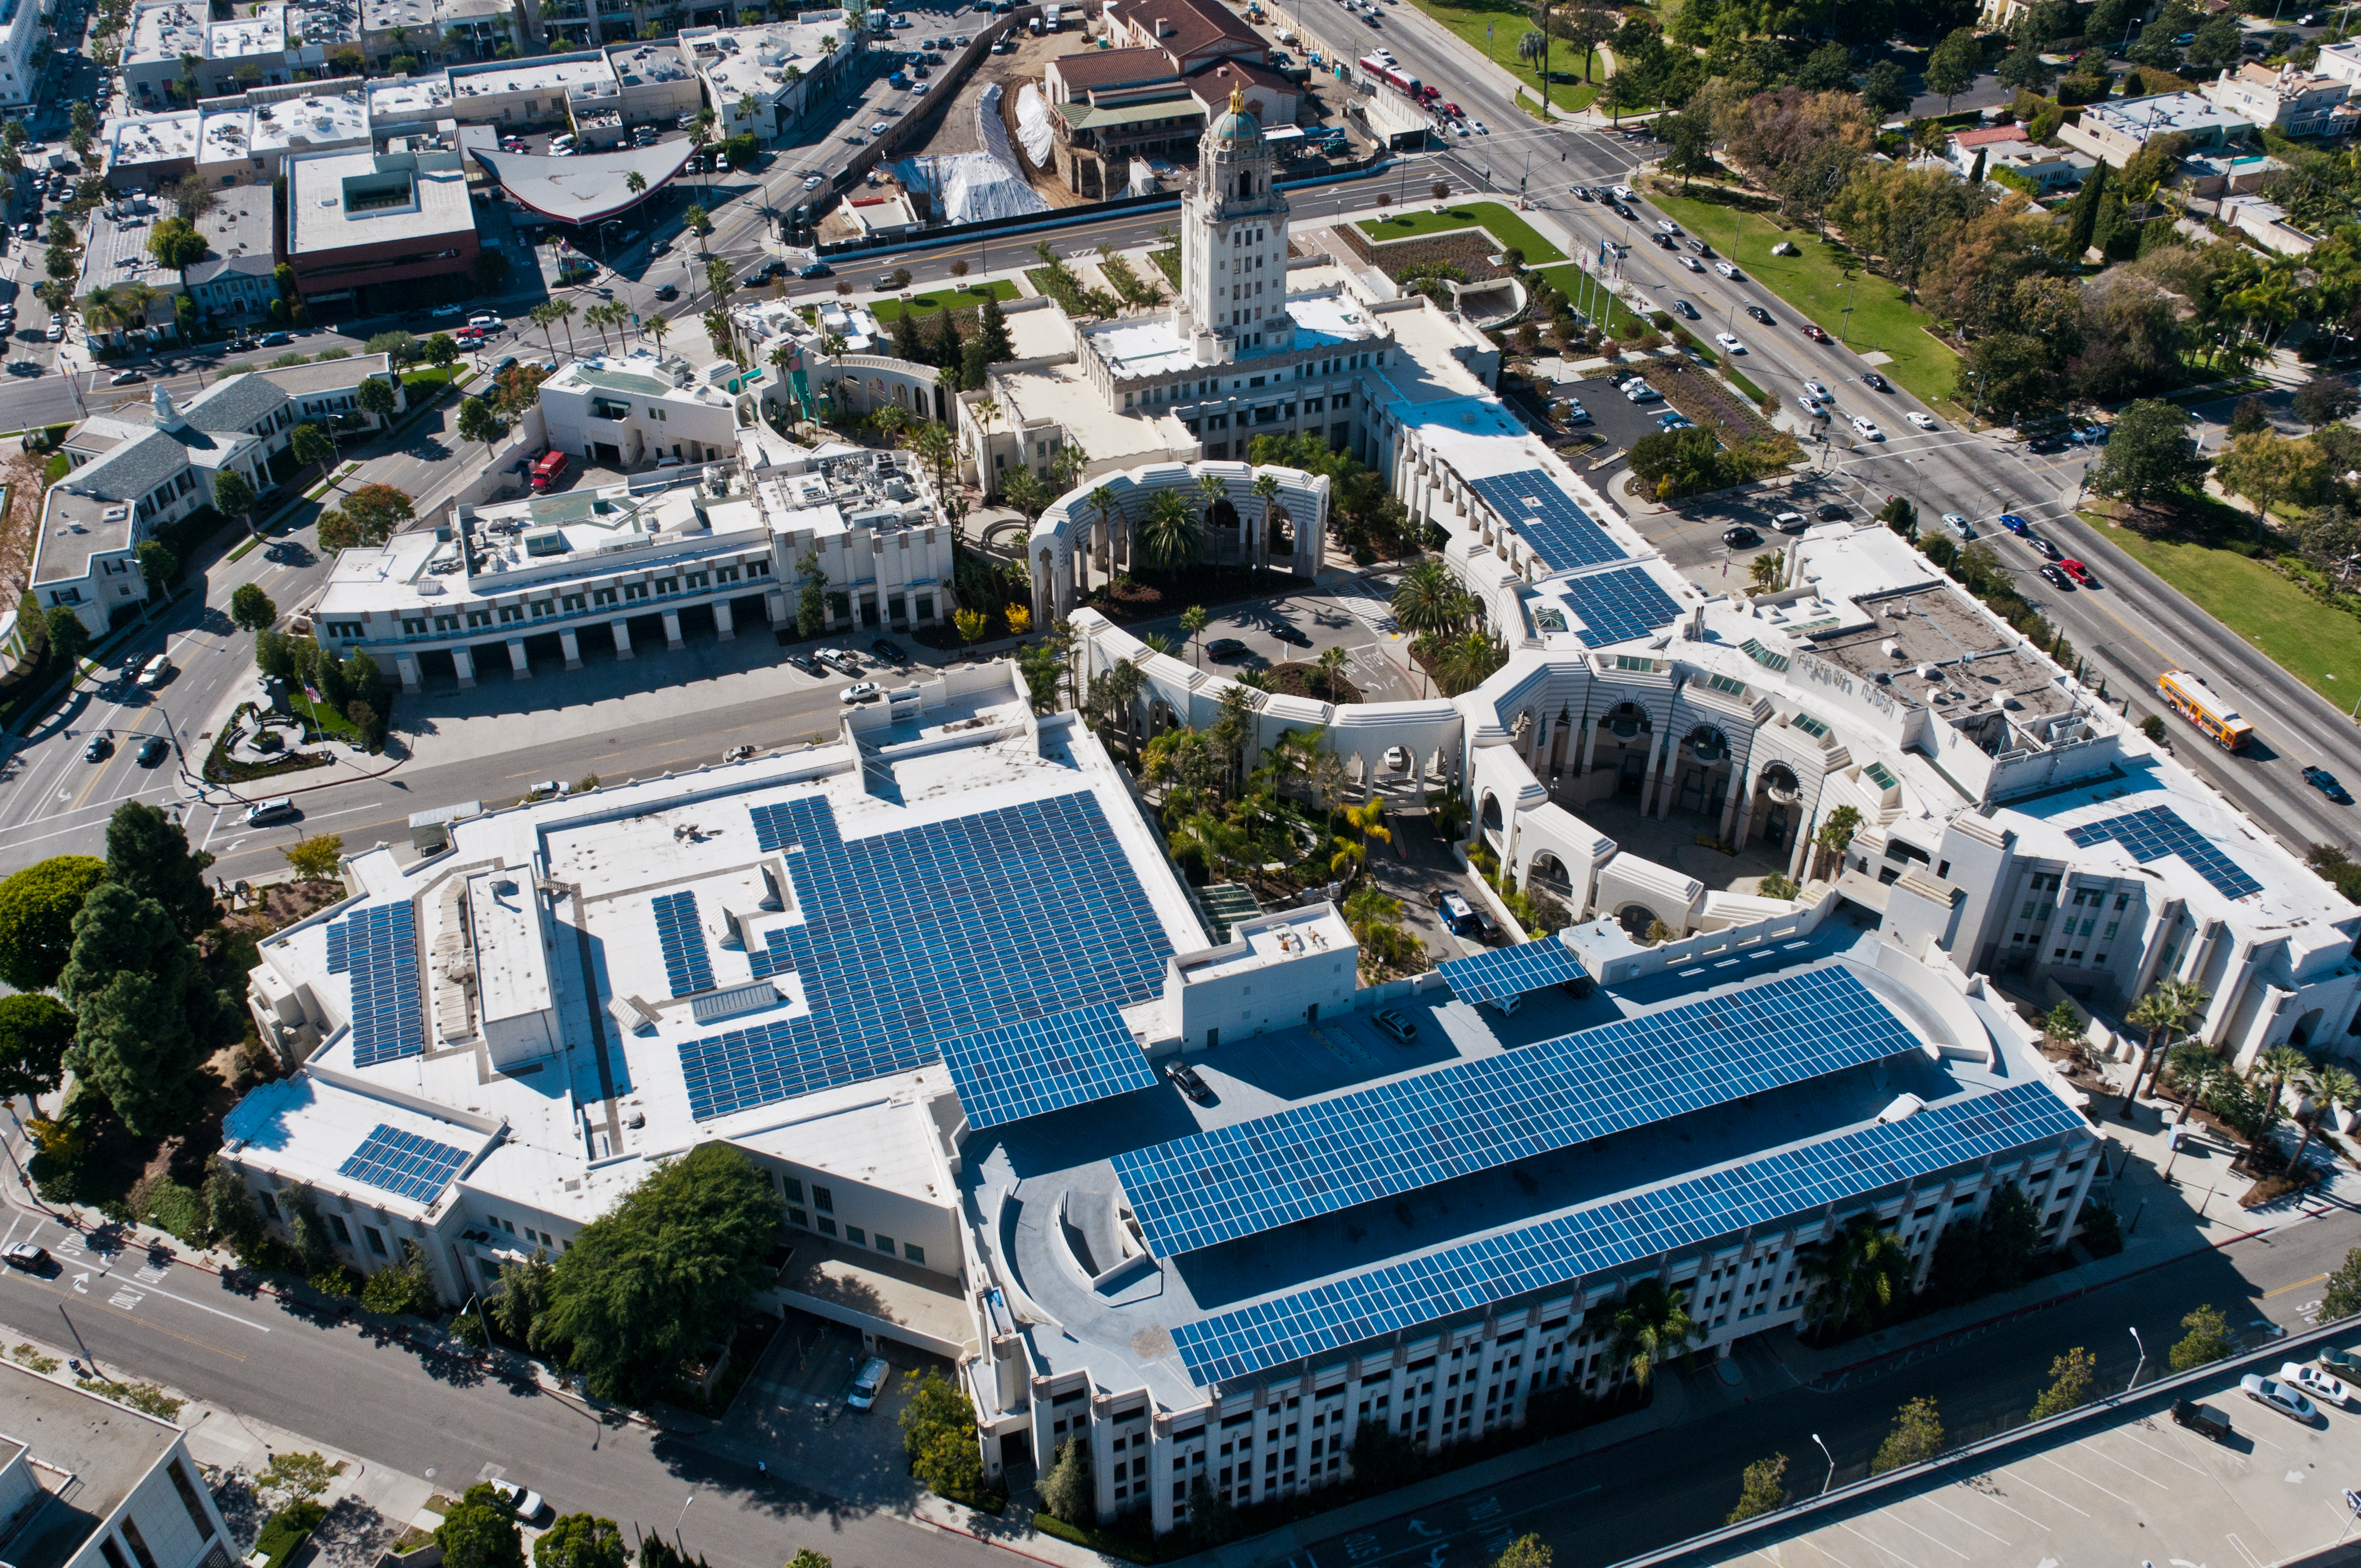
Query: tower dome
column 1236, row 124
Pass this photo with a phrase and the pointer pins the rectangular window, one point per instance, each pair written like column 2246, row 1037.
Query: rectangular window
column 138, row 1542
column 796, row 1217
column 188, row 1490
column 337, row 1224
column 885, row 1245
column 827, row 1226
column 114, row 1558
column 794, row 1188
column 376, row 1240
column 823, row 1200
column 269, row 1205
column 856, row 1236
column 913, row 1252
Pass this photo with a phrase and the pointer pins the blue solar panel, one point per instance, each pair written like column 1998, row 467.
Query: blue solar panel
column 1035, row 1065
column 923, row 936
column 378, row 946
column 404, row 1162
column 1562, row 533
column 1611, row 1233
column 1498, row 973
column 1615, row 606
column 1250, row 1177
column 2159, row 832
column 689, row 962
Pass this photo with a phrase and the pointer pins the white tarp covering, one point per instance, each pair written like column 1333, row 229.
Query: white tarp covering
column 970, row 186
column 1033, row 124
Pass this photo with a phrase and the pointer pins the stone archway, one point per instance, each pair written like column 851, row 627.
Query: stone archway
column 1635, row 919
column 1549, row 873
column 2300, row 1036
column 1160, row 717
column 1279, row 535
column 1495, row 826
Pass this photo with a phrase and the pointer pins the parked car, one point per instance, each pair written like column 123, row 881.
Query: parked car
column 870, row 1383
column 1457, row 914
column 1293, row 636
column 1740, row 537
column 888, row 650
column 1396, row 1027
column 807, row 664
column 2345, row 1364
column 263, row 813
column 2315, row 1383
column 2277, row 1396
column 861, row 691
column 125, row 378
column 1573, row 412
column 1790, row 523
column 1222, row 649
column 2325, row 783
column 1186, row 1079
column 2202, row 1419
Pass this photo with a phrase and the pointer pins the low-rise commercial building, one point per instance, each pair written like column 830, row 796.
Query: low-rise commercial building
column 633, row 410
column 86, row 1482
column 358, row 219
column 759, row 80
column 171, row 46
column 240, row 139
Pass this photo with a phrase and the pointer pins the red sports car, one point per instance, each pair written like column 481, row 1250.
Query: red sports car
column 1814, row 333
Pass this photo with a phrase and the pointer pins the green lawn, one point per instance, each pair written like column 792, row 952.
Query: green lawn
column 964, row 298
column 1490, row 216
column 1508, row 21
column 1814, row 283
column 2318, row 644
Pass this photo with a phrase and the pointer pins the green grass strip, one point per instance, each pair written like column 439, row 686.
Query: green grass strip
column 964, row 298
column 1492, row 27
column 1494, row 219
column 1753, row 393
column 2317, row 643
column 1813, row 282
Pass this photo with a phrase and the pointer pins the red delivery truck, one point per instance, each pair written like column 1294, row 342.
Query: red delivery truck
column 549, row 470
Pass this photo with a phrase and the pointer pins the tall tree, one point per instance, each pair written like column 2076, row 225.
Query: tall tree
column 2148, row 457
column 2082, row 214
column 34, row 1031
column 665, row 1274
column 581, row 1541
column 1651, row 1327
column 145, row 1015
column 37, row 910
column 2163, row 1012
column 1951, row 68
column 1917, row 1436
column 148, row 853
column 480, row 1532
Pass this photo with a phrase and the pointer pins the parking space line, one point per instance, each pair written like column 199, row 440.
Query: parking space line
column 1895, row 1515
column 2045, row 1492
column 1969, row 1522
column 2093, row 1447
column 2118, row 1496
column 1848, row 1528
column 1996, row 1502
column 2165, row 1453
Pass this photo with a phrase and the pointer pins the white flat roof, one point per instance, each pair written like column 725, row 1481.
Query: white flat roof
column 318, row 220
column 409, row 97
column 530, row 76
column 316, row 120
column 152, row 138
column 265, row 32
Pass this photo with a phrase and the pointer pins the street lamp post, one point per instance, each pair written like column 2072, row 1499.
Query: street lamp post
column 1832, row 1465
column 2142, row 1361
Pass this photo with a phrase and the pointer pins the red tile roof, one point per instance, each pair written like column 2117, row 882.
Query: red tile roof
column 1987, row 137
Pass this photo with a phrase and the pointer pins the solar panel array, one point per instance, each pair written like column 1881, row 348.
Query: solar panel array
column 2159, row 832
column 1618, row 605
column 404, row 1164
column 689, row 962
column 923, row 936
column 1498, row 973
column 1557, row 1252
column 1015, row 1071
column 1226, row 1182
column 378, row 945
column 1561, row 532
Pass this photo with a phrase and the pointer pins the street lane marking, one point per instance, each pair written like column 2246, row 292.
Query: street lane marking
column 2296, row 1286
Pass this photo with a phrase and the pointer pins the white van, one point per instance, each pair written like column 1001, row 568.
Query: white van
column 155, row 672
column 263, row 812
column 870, row 1384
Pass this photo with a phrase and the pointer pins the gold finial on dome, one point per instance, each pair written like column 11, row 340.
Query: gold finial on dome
column 1237, row 99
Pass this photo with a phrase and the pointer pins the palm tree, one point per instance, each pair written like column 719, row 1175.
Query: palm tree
column 2197, row 1068
column 635, row 181
column 544, row 316
column 2163, row 1012
column 1103, row 499
column 1213, row 491
column 656, row 328
column 1651, row 1327
column 1171, row 533
column 136, row 299
column 100, row 310
column 1467, row 662
column 1855, row 1274
column 563, row 311
column 986, row 409
column 1331, row 666
column 1428, row 600
column 2329, row 1085
column 1265, row 491
column 2280, row 1066
column 1192, row 622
